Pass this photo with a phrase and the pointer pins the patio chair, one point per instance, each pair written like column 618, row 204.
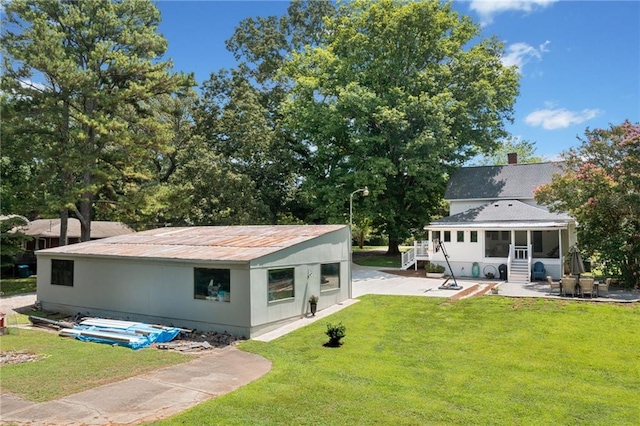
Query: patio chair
column 568, row 286
column 586, row 286
column 539, row 272
column 552, row 284
column 604, row 287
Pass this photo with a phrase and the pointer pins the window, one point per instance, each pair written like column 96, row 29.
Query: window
column 460, row 236
column 537, row 241
column 212, row 284
column 493, row 246
column 281, row 284
column 62, row 272
column 474, row 236
column 447, row 236
column 329, row 276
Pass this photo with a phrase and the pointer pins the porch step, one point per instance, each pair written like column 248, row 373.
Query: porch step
column 519, row 272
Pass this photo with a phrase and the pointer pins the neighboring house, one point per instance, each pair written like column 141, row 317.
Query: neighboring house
column 245, row 280
column 495, row 223
column 46, row 234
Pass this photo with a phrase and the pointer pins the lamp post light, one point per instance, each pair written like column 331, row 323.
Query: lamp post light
column 365, row 192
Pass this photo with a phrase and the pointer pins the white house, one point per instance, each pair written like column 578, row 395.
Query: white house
column 494, row 223
column 245, row 280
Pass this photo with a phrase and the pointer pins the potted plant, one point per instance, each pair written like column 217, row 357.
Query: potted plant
column 433, row 270
column 313, row 304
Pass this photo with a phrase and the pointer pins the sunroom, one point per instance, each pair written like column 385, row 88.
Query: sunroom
column 503, row 239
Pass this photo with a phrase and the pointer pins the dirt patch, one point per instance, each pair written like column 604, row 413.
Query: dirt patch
column 18, row 357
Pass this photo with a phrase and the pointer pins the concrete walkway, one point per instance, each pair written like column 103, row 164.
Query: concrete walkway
column 152, row 396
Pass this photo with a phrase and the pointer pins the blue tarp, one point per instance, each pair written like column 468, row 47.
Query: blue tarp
column 122, row 333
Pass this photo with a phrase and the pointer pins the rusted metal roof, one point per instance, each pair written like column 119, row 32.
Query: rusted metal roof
column 213, row 243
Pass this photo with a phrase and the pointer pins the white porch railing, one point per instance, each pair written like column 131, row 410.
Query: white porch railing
column 529, row 258
column 519, row 263
column 521, row 252
column 420, row 251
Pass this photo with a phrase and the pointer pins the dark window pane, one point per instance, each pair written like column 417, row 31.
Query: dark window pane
column 281, row 284
column 62, row 272
column 494, row 246
column 329, row 276
column 212, row 284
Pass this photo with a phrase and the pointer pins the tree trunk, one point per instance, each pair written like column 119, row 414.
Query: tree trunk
column 64, row 226
column 394, row 248
column 85, row 218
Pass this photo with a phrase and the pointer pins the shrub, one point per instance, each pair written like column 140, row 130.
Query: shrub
column 433, row 268
column 335, row 333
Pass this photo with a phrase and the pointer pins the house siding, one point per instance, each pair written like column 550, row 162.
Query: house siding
column 162, row 290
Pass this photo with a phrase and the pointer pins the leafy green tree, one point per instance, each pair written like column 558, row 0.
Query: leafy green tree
column 242, row 136
column 525, row 150
column 94, row 69
column 241, row 109
column 395, row 97
column 11, row 242
column 600, row 188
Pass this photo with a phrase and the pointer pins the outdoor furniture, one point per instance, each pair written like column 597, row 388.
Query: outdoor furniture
column 539, row 272
column 586, row 286
column 568, row 286
column 553, row 284
column 603, row 287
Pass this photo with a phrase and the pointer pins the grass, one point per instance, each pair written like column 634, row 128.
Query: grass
column 68, row 366
column 412, row 360
column 375, row 256
column 15, row 286
column 381, row 261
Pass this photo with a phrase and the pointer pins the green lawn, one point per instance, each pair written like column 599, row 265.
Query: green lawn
column 381, row 261
column 68, row 366
column 415, row 361
column 15, row 286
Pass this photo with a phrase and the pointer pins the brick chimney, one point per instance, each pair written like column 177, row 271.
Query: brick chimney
column 513, row 157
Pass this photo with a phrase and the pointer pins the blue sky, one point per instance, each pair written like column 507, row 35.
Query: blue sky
column 579, row 60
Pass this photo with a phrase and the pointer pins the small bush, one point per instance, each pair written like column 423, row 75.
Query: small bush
column 335, row 333
column 433, row 268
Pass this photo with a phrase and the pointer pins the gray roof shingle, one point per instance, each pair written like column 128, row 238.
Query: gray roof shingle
column 513, row 181
column 503, row 211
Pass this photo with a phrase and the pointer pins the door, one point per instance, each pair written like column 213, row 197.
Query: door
column 520, row 243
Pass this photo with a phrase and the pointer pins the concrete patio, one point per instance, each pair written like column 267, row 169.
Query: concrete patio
column 542, row 289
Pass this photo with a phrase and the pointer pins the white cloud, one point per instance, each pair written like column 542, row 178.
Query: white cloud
column 488, row 8
column 560, row 118
column 30, row 84
column 519, row 54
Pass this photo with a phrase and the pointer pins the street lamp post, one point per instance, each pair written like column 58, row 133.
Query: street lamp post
column 365, row 192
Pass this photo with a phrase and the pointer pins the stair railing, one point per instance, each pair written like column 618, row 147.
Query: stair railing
column 529, row 259
column 509, row 259
column 408, row 257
